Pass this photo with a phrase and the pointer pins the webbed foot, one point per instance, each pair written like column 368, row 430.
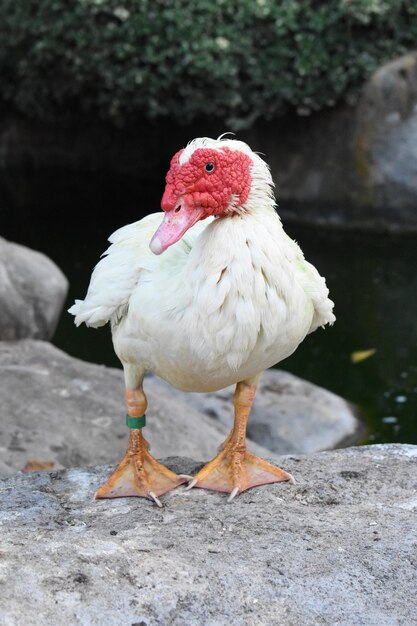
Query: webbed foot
column 235, row 470
column 140, row 474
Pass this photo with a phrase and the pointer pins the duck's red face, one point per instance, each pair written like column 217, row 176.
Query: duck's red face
column 212, row 182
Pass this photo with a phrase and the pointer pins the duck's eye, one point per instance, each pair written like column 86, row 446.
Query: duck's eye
column 210, row 167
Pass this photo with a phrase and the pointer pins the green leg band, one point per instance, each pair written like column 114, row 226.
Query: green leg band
column 135, row 422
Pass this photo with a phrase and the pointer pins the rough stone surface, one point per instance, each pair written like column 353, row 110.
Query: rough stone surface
column 55, row 408
column 289, row 415
column 32, row 293
column 339, row 547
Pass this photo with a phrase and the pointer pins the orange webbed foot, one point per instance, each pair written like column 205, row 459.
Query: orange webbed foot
column 235, row 470
column 140, row 474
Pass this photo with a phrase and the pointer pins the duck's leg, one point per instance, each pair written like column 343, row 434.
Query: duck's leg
column 235, row 469
column 138, row 473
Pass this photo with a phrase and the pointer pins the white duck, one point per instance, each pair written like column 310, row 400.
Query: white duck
column 230, row 297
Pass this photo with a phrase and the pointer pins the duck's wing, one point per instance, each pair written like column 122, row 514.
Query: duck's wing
column 314, row 285
column 122, row 267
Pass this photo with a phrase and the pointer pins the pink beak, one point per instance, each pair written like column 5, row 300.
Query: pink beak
column 175, row 224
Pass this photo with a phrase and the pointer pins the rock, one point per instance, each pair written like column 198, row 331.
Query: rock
column 59, row 409
column 55, row 408
column 387, row 138
column 289, row 415
column 351, row 166
column 32, row 293
column 337, row 548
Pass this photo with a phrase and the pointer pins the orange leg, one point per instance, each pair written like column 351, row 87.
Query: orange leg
column 235, row 469
column 138, row 473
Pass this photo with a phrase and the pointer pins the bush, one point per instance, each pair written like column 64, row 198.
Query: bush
column 236, row 59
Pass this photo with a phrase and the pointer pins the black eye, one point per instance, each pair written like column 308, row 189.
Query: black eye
column 210, row 167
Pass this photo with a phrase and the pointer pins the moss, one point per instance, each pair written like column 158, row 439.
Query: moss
column 235, row 59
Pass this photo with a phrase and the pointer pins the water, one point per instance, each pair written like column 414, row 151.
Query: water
column 372, row 279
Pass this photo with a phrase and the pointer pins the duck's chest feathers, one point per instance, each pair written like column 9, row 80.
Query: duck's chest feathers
column 243, row 296
column 232, row 309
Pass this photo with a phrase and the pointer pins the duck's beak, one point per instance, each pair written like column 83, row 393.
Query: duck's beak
column 175, row 224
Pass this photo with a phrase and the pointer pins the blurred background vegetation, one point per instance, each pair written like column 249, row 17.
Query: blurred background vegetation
column 238, row 60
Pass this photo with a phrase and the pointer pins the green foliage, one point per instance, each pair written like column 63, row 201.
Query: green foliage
column 236, row 59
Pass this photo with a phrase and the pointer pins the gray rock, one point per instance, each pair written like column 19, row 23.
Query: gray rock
column 58, row 409
column 289, row 415
column 32, row 293
column 354, row 166
column 387, row 138
column 337, row 548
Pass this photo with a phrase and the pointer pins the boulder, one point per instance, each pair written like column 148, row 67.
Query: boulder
column 386, row 138
column 32, row 293
column 289, row 414
column 55, row 408
column 351, row 166
column 339, row 547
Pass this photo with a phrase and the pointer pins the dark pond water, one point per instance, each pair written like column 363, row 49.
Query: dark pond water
column 372, row 279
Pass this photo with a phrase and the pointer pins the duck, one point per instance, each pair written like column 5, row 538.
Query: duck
column 209, row 293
